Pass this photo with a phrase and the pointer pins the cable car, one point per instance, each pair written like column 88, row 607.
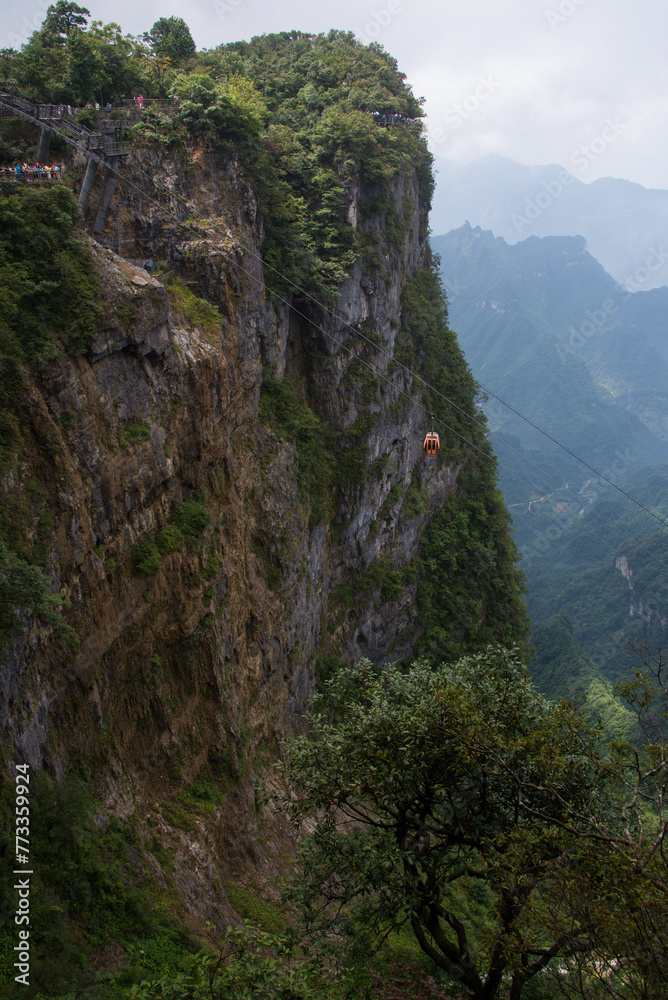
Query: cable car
column 432, row 444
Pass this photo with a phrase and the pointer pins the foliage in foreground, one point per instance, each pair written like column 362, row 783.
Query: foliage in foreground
column 86, row 891
column 623, row 894
column 459, row 802
column 431, row 797
column 254, row 965
column 250, row 965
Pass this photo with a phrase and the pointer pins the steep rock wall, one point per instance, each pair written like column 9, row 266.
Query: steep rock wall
column 201, row 663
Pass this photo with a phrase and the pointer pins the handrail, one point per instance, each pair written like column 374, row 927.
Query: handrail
column 50, row 175
column 161, row 103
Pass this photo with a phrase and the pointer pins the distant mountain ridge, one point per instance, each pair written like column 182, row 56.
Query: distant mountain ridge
column 625, row 224
column 545, row 328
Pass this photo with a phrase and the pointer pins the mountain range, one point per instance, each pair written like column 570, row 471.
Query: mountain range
column 624, row 224
column 572, row 369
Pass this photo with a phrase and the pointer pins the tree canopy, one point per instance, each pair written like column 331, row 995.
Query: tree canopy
column 170, row 37
column 461, row 803
column 433, row 798
column 63, row 16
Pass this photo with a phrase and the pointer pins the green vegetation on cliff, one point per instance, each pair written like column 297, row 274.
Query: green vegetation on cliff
column 470, row 592
column 299, row 108
column 320, row 141
column 86, row 891
column 48, row 288
column 48, row 304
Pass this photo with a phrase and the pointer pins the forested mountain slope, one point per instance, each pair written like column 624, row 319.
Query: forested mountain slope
column 544, row 326
column 546, row 329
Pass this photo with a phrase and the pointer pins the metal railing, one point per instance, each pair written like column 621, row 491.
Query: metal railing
column 32, row 175
column 151, row 104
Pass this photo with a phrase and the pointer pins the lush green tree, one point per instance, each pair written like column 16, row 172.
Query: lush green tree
column 41, row 65
column 156, row 73
column 7, row 63
column 170, row 37
column 84, row 70
column 234, row 107
column 119, row 59
column 623, row 894
column 65, row 62
column 439, row 798
column 64, row 16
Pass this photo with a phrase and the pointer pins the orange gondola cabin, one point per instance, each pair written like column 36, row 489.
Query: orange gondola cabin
column 432, row 444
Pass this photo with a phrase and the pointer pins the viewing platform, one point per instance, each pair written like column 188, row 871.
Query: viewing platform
column 32, row 174
column 100, row 145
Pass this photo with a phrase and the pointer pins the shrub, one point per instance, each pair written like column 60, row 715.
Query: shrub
column 191, row 517
column 212, row 566
column 133, row 433
column 145, row 555
column 26, row 586
column 251, row 963
column 170, row 539
column 67, row 418
column 393, row 586
column 196, row 311
column 415, row 501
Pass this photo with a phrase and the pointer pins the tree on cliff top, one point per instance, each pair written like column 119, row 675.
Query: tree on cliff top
column 170, row 38
column 63, row 16
column 427, row 790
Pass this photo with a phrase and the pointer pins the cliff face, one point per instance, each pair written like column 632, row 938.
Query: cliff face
column 195, row 658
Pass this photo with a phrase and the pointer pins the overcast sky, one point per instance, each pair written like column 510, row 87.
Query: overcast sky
column 582, row 83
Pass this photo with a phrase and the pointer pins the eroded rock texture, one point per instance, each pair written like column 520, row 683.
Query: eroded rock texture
column 202, row 661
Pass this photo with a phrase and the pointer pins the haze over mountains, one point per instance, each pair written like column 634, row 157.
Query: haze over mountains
column 625, row 225
column 546, row 329
column 543, row 325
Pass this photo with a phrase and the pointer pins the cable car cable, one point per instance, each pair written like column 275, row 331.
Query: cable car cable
column 481, row 386
column 573, row 455
column 421, row 405
column 382, row 350
column 321, row 306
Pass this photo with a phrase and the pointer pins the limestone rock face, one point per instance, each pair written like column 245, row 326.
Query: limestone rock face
column 206, row 657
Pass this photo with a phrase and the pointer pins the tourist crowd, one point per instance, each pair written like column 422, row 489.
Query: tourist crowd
column 380, row 118
column 33, row 171
column 63, row 110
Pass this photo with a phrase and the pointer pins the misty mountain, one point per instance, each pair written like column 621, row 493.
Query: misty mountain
column 546, row 329
column 624, row 224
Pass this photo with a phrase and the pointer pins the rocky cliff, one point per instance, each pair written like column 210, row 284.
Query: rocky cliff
column 210, row 653
column 229, row 492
